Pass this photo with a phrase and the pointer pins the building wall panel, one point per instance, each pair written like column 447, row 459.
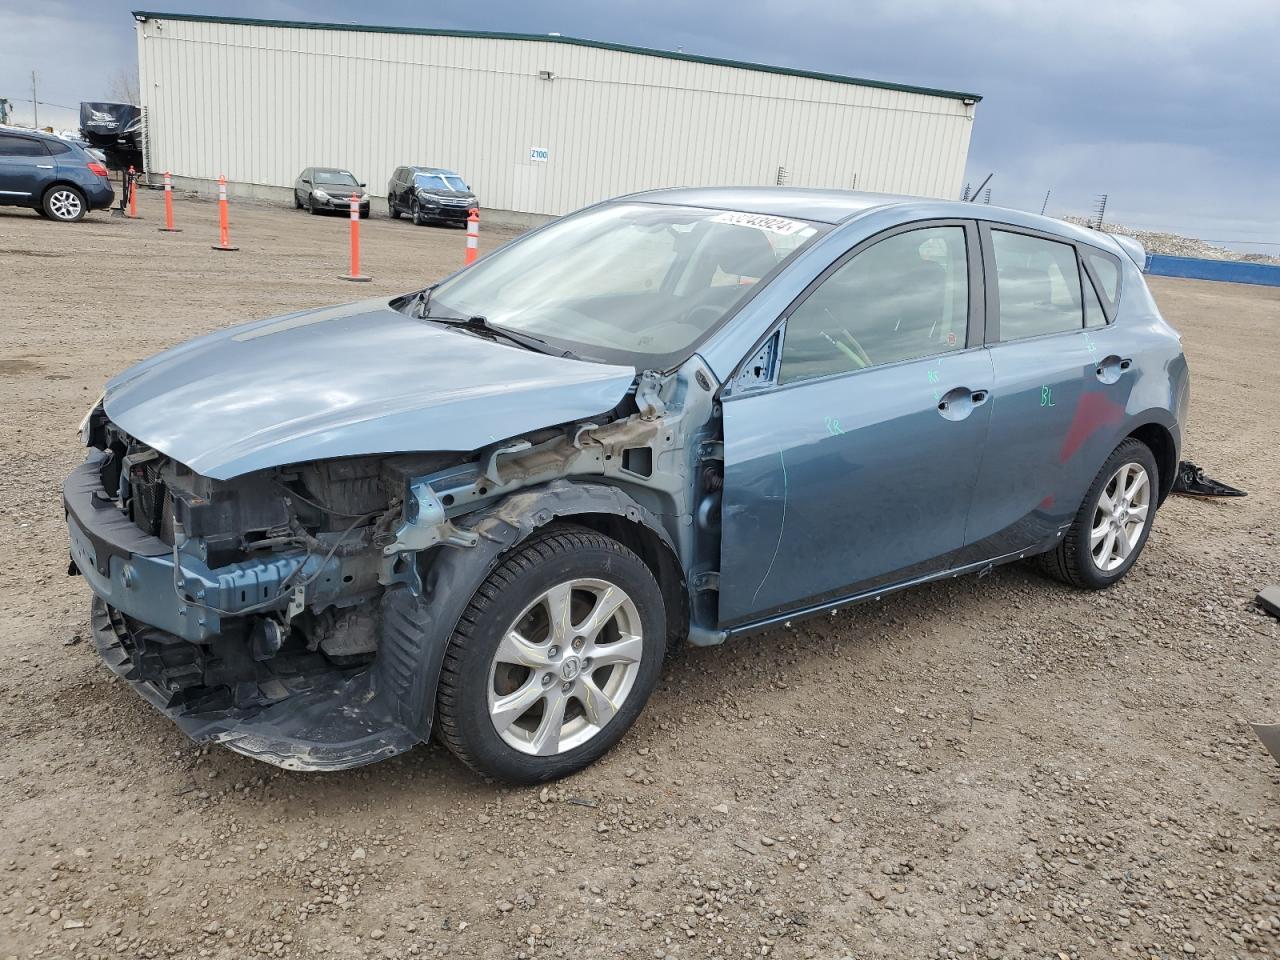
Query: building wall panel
column 258, row 103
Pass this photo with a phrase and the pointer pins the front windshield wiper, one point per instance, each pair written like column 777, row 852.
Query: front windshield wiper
column 420, row 307
column 482, row 327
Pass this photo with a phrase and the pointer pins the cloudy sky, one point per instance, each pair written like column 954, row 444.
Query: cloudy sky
column 1171, row 107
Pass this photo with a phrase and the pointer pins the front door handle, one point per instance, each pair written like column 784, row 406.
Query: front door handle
column 44, row 166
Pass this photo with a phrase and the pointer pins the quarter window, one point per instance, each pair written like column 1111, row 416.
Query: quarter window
column 1093, row 314
column 905, row 297
column 1038, row 282
column 1108, row 273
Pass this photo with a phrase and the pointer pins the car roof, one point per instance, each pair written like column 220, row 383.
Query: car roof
column 837, row 206
column 436, row 170
column 38, row 134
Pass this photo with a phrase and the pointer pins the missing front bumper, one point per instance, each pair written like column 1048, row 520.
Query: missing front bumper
column 295, row 711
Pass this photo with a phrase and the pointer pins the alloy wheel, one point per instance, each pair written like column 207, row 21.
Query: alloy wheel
column 565, row 667
column 65, row 204
column 1121, row 513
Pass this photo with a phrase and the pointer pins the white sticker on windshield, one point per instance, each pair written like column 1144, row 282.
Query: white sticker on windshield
column 779, row 225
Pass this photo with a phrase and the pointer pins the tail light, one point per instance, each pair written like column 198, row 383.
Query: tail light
column 97, row 168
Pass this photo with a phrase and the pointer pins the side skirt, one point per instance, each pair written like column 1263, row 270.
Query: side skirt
column 980, row 567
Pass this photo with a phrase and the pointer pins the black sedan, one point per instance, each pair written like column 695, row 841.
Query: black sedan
column 320, row 189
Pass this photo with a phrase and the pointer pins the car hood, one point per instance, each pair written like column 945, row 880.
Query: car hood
column 347, row 381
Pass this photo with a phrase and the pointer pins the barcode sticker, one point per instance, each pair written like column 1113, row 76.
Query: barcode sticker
column 779, row 225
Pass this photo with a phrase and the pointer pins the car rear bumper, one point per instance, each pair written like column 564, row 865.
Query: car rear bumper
column 100, row 196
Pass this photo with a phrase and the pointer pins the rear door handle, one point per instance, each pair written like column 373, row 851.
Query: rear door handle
column 1110, row 368
column 958, row 403
column 44, row 166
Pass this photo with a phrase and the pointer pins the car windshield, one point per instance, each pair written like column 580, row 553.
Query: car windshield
column 336, row 177
column 437, row 181
column 628, row 282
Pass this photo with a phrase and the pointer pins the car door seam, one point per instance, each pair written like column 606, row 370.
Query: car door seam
column 782, row 525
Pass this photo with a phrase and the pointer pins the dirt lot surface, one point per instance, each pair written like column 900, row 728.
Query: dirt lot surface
column 983, row 768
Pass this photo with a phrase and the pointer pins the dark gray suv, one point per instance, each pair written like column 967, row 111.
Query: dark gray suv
column 57, row 179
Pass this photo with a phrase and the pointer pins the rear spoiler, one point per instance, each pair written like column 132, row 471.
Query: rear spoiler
column 1137, row 253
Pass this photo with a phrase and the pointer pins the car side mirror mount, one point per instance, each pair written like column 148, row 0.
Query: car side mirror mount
column 363, row 184
column 306, row 181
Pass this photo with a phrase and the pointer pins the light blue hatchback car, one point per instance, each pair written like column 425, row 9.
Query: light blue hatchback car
column 488, row 508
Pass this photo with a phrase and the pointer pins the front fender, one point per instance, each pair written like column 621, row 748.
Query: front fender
column 417, row 627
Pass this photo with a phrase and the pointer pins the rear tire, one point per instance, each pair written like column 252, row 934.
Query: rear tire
column 553, row 659
column 1091, row 555
column 64, row 203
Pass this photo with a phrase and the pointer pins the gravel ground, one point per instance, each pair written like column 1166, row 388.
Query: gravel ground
column 996, row 767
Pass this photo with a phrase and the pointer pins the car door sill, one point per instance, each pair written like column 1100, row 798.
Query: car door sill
column 861, row 596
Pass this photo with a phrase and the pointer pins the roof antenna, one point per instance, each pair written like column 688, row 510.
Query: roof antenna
column 974, row 196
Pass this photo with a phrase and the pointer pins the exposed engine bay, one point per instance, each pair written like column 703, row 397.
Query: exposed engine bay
column 294, row 613
column 319, row 528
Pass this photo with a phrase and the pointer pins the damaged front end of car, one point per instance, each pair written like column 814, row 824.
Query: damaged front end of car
column 299, row 614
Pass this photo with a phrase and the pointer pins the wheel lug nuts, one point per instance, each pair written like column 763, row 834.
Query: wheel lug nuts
column 586, row 663
column 578, row 642
column 553, row 652
column 547, row 678
column 567, row 688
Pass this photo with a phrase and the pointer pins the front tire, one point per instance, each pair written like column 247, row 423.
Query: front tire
column 392, row 209
column 65, row 204
column 416, row 209
column 1111, row 527
column 553, row 659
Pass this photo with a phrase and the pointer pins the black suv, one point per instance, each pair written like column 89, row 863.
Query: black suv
column 429, row 193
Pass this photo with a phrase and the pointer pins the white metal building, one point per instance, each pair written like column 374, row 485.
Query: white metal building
column 536, row 124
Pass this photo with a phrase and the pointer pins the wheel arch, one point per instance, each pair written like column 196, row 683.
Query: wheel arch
column 416, row 629
column 1160, row 441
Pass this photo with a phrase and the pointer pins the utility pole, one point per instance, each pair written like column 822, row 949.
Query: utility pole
column 35, row 104
column 1045, row 206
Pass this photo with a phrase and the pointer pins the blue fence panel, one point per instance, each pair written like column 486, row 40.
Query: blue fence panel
column 1232, row 271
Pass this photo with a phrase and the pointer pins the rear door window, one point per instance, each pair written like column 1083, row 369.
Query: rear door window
column 56, row 147
column 1038, row 286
